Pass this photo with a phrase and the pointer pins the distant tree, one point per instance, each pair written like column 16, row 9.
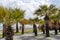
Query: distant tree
column 18, row 15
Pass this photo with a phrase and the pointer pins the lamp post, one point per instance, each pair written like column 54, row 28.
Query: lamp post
column 46, row 18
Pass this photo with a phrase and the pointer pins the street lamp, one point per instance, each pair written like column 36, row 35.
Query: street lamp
column 46, row 18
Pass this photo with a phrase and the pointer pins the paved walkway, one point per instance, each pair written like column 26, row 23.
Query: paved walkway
column 39, row 37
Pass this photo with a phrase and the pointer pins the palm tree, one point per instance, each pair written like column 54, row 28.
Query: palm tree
column 34, row 21
column 42, row 11
column 7, row 22
column 15, row 14
column 55, row 18
column 18, row 16
column 45, row 10
column 23, row 22
column 8, row 17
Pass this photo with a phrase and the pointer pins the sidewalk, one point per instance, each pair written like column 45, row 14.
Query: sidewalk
column 39, row 37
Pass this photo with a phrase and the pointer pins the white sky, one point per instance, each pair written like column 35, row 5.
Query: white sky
column 29, row 5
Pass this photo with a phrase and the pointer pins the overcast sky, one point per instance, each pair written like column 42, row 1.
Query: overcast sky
column 29, row 5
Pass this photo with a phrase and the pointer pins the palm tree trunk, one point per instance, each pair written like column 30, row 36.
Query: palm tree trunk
column 47, row 30
column 59, row 27
column 9, row 33
column 22, row 28
column 35, row 29
column 4, row 30
column 56, row 32
column 17, row 30
column 42, row 28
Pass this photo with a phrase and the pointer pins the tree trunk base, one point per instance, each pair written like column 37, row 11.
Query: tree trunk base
column 47, row 30
column 56, row 32
column 9, row 33
column 22, row 29
column 47, row 33
column 59, row 29
column 43, row 32
column 17, row 30
column 35, row 33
